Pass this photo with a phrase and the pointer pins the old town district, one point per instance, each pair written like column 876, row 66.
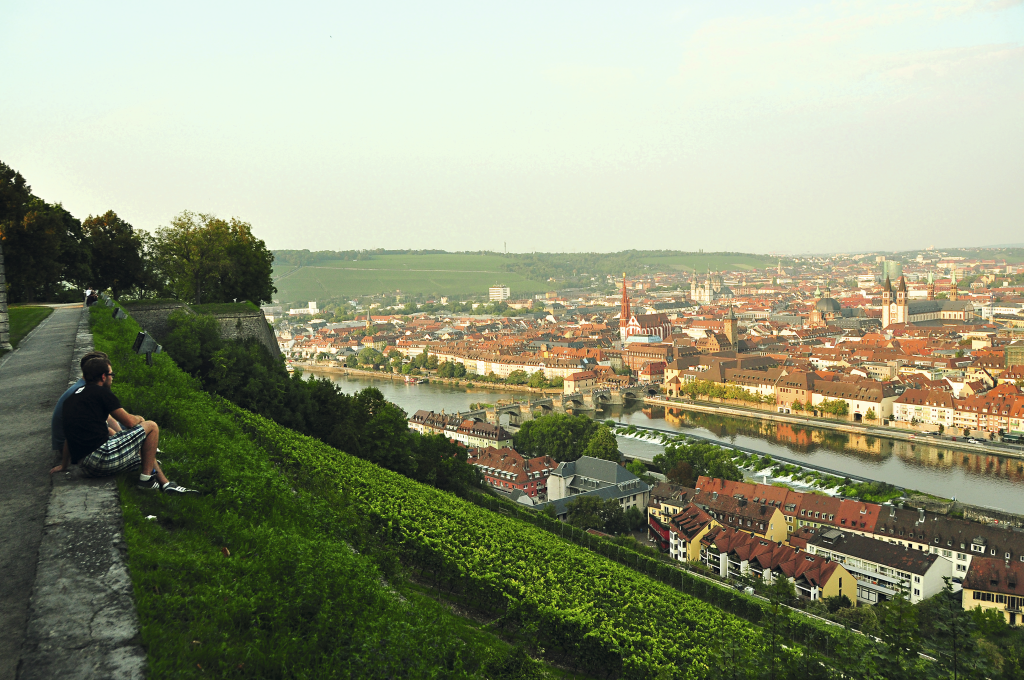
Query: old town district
column 909, row 353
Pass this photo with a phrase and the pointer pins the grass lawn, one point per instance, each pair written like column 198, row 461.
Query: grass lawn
column 24, row 319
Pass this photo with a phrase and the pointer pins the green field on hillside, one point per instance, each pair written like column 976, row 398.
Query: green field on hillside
column 470, row 274
column 446, row 274
column 701, row 262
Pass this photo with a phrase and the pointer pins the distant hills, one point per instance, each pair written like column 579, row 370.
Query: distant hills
column 302, row 275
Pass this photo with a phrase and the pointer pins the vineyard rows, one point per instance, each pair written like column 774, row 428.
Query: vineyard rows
column 609, row 618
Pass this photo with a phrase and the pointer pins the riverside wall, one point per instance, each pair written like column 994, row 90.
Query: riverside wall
column 542, row 392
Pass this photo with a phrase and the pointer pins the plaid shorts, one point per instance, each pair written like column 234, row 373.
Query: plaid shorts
column 119, row 453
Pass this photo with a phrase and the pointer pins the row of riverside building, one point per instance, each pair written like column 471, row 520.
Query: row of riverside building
column 832, row 546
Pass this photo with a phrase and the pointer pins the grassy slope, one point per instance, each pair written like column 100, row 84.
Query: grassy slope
column 24, row 319
column 447, row 274
column 456, row 274
column 249, row 579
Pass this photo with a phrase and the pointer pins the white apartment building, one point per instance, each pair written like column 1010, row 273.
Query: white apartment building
column 499, row 293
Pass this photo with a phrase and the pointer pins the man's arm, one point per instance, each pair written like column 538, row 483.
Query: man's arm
column 65, row 460
column 126, row 419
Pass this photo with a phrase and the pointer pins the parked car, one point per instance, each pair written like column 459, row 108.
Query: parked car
column 973, row 441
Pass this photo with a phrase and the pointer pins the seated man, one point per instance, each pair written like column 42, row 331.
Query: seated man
column 57, row 419
column 89, row 442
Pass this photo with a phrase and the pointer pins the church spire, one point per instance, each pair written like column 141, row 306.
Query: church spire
column 624, row 312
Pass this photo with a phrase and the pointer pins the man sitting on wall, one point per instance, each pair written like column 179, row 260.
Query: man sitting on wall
column 57, row 440
column 90, row 443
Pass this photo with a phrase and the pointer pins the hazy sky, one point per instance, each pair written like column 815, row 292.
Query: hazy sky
column 753, row 126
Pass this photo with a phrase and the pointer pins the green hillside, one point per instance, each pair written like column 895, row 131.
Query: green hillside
column 301, row 275
column 428, row 275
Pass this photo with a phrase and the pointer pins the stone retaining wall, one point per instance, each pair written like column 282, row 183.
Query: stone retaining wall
column 245, row 325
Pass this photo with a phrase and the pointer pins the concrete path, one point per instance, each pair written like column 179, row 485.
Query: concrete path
column 31, row 380
column 66, row 607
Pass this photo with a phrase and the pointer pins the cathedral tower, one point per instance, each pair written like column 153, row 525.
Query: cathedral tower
column 931, row 286
column 954, row 293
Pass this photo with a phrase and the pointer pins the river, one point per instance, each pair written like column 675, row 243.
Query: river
column 986, row 480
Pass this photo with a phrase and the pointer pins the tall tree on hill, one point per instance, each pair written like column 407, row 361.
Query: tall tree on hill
column 117, row 253
column 207, row 259
column 248, row 270
column 193, row 253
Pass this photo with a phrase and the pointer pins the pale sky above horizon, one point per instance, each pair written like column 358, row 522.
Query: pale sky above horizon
column 786, row 127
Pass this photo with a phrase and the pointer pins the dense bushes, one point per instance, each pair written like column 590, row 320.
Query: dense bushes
column 363, row 424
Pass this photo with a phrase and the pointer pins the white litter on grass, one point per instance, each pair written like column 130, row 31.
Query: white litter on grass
column 151, row 517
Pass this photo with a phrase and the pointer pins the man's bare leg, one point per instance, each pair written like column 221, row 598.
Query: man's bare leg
column 149, row 450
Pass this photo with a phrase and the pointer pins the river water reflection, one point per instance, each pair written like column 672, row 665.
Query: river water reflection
column 993, row 481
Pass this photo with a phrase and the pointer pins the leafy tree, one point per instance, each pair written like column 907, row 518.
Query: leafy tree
column 207, row 258
column 603, row 445
column 836, row 602
column 898, row 657
column 352, row 361
column 193, row 253
column 637, row 467
column 517, row 377
column 682, row 473
column 369, row 356
column 559, row 435
column 585, row 512
column 953, row 632
column 118, row 256
column 636, row 519
column 614, row 517
column 248, row 267
column 871, row 415
column 775, row 627
column 193, row 341
column 556, row 382
column 703, row 459
column 43, row 244
column 537, row 380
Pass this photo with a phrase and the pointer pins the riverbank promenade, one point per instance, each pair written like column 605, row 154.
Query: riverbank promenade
column 65, row 596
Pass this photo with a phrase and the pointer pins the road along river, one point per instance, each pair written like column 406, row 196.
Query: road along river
column 979, row 479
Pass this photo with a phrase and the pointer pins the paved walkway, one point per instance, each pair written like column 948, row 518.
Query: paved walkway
column 31, row 380
column 66, row 607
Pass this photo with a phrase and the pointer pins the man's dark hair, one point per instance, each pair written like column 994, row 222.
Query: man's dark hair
column 95, row 369
column 87, row 357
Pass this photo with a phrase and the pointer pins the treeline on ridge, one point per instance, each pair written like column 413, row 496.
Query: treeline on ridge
column 49, row 254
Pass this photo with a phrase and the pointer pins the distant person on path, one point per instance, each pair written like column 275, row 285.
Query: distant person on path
column 89, row 442
column 90, row 298
column 57, row 440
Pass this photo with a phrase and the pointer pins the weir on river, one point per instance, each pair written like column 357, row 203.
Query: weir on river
column 979, row 479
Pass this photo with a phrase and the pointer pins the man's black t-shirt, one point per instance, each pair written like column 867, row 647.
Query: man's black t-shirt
column 85, row 419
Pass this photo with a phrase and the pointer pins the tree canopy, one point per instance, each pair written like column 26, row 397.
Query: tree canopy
column 684, row 462
column 205, row 258
column 565, row 437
